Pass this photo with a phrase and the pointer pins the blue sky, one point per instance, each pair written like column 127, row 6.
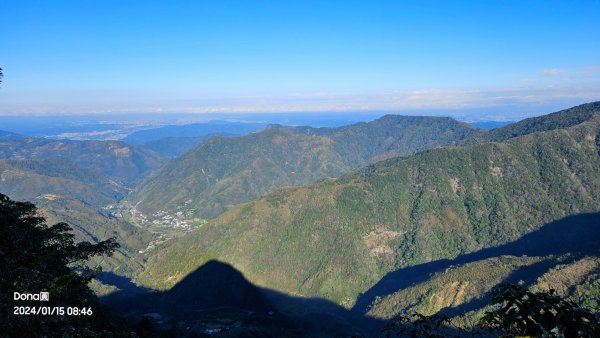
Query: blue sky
column 270, row 56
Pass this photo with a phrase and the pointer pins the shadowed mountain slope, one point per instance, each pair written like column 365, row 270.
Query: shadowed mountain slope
column 338, row 238
column 218, row 298
column 222, row 172
column 212, row 285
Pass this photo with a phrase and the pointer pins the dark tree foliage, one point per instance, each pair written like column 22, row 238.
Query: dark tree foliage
column 416, row 325
column 36, row 257
column 521, row 312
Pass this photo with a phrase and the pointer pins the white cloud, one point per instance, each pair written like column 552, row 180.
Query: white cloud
column 552, row 71
column 585, row 74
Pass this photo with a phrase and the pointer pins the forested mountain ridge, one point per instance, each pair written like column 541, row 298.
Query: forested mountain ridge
column 560, row 119
column 28, row 179
column 6, row 135
column 337, row 238
column 222, row 172
column 123, row 163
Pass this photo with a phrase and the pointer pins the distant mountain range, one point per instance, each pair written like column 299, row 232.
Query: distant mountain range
column 222, row 172
column 175, row 140
column 489, row 125
column 193, row 130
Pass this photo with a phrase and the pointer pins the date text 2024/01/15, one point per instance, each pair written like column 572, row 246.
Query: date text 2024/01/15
column 52, row 311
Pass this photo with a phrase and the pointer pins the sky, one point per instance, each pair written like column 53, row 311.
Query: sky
column 495, row 58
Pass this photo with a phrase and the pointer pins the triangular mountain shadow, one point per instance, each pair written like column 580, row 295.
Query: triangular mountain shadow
column 215, row 284
column 216, row 296
column 578, row 234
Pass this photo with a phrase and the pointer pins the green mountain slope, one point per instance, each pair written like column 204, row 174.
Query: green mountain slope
column 92, row 224
column 222, row 172
column 117, row 160
column 67, row 193
column 74, row 182
column 29, row 179
column 337, row 238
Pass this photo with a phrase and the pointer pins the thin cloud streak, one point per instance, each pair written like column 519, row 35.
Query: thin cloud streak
column 552, row 71
column 585, row 74
column 450, row 99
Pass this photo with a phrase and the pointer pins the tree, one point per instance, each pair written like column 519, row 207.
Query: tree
column 36, row 257
column 520, row 312
column 416, row 325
